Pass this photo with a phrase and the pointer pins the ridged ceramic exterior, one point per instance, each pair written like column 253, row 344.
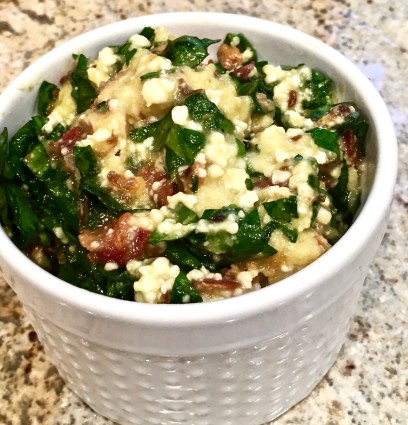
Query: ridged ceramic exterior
column 248, row 386
column 239, row 361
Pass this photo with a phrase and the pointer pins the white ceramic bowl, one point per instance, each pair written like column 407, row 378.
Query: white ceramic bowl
column 239, row 361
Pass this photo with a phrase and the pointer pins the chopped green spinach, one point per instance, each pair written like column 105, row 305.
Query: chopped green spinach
column 188, row 50
column 184, row 292
column 83, row 90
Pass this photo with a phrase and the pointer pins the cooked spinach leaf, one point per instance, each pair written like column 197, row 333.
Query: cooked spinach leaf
column 159, row 130
column 173, row 162
column 37, row 160
column 83, row 90
column 150, row 75
column 326, row 139
column 202, row 110
column 148, row 32
column 320, row 87
column 47, row 94
column 188, row 50
column 283, row 209
column 89, row 169
column 281, row 212
column 184, row 215
column 290, row 233
column 3, row 154
column 185, row 143
column 183, row 291
column 22, row 214
column 249, row 240
column 178, row 253
column 20, row 145
column 339, row 193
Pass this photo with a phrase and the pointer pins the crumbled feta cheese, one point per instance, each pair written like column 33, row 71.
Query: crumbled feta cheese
column 139, row 41
column 235, row 41
column 101, row 135
column 229, row 225
column 59, row 233
column 110, row 266
column 247, row 55
column 280, row 176
column 273, row 73
column 156, row 279
column 245, row 278
column 188, row 200
column 305, row 193
column 162, row 34
column 158, row 90
column 179, row 114
column 215, row 171
column 323, row 216
column 104, row 66
column 248, row 199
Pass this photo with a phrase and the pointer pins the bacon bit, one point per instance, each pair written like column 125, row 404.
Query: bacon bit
column 166, row 188
column 213, row 285
column 242, row 72
column 342, row 110
column 231, row 273
column 121, row 182
column 296, row 138
column 348, row 142
column 292, row 99
column 65, row 78
column 262, row 184
column 164, row 298
column 116, row 241
column 229, row 57
column 73, row 135
column 327, row 179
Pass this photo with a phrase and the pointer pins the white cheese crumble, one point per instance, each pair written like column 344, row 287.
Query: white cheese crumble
column 156, row 279
column 179, row 115
column 110, row 266
column 137, row 41
column 59, row 233
column 245, row 278
column 158, row 90
column 103, row 68
column 305, row 193
column 188, row 200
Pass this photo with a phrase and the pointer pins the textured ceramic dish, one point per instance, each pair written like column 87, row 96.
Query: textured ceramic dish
column 239, row 361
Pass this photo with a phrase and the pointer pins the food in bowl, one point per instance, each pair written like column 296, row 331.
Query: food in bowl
column 154, row 173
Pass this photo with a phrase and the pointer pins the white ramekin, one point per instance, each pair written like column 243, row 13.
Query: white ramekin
column 239, row 361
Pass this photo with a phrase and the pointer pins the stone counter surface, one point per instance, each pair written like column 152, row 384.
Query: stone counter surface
column 368, row 385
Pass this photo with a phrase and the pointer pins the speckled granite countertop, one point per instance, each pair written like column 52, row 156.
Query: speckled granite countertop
column 369, row 383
